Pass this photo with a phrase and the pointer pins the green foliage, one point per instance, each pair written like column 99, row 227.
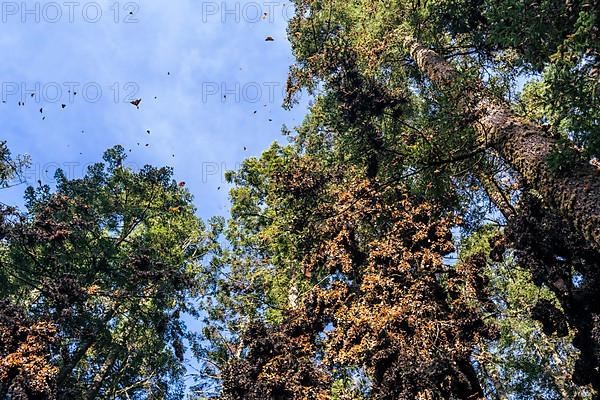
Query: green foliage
column 524, row 362
column 375, row 116
column 328, row 280
column 110, row 261
column 10, row 167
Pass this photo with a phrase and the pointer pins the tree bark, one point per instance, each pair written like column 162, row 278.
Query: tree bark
column 496, row 195
column 575, row 194
column 98, row 380
column 472, row 391
column 86, row 343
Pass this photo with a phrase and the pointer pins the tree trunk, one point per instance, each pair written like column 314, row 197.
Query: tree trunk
column 472, row 391
column 100, row 377
column 575, row 194
column 86, row 343
column 496, row 195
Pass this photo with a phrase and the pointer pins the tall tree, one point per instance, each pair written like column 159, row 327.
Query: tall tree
column 345, row 277
column 574, row 192
column 429, row 89
column 383, row 40
column 95, row 278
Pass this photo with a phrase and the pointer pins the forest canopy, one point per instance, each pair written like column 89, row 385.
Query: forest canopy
column 431, row 230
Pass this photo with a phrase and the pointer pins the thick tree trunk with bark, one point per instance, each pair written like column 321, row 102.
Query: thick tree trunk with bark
column 575, row 194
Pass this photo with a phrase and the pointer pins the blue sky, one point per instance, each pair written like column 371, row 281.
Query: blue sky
column 181, row 58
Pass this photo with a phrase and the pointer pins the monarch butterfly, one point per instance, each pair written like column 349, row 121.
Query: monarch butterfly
column 269, row 39
column 136, row 102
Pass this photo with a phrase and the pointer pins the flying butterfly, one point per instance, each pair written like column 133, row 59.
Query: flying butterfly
column 136, row 102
